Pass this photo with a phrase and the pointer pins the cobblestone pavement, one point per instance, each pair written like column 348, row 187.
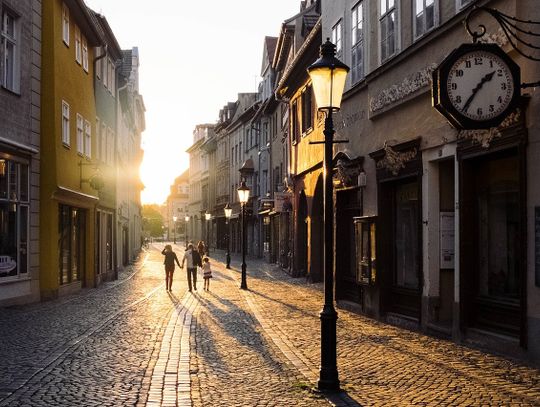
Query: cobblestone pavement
column 382, row 365
column 131, row 343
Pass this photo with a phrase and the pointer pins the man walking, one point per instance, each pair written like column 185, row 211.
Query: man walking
column 192, row 260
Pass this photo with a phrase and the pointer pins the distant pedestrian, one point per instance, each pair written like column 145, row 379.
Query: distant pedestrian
column 192, row 260
column 170, row 259
column 201, row 248
column 207, row 273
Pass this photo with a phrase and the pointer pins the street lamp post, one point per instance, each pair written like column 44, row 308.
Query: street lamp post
column 228, row 213
column 207, row 217
column 174, row 218
column 243, row 197
column 328, row 76
column 187, row 221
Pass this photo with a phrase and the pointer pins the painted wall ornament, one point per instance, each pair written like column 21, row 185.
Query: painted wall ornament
column 409, row 85
column 394, row 161
column 485, row 137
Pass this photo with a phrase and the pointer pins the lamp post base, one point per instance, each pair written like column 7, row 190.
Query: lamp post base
column 243, row 284
column 228, row 261
column 328, row 374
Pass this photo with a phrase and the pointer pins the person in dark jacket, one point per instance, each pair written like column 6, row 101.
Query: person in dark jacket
column 192, row 260
column 170, row 259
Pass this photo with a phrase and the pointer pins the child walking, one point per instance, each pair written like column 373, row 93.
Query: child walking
column 207, row 273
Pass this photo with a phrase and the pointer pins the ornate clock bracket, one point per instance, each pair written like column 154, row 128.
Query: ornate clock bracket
column 510, row 29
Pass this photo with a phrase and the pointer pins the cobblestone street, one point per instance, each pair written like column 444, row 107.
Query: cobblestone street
column 131, row 343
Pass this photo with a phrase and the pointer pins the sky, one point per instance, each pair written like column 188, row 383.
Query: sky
column 195, row 56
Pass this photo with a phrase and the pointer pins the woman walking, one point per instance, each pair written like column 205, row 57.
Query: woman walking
column 170, row 258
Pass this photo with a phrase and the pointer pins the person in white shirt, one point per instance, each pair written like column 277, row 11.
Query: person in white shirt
column 192, row 260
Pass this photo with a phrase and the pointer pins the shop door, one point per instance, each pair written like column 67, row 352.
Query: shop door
column 491, row 239
column 400, row 242
column 348, row 206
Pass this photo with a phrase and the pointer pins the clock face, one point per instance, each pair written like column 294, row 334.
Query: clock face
column 480, row 85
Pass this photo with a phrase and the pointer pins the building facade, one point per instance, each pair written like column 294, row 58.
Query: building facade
column 451, row 214
column 107, row 57
column 20, row 112
column 178, row 207
column 130, row 126
column 69, row 179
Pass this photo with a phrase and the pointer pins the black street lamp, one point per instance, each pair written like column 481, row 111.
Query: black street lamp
column 187, row 221
column 174, row 218
column 228, row 213
column 328, row 76
column 243, row 197
column 207, row 217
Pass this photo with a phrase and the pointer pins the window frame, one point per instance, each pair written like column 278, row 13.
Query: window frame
column 78, row 47
column 87, row 139
column 359, row 43
column 65, row 24
column 306, row 101
column 80, row 134
column 10, row 82
column 84, row 53
column 383, row 16
column 18, row 203
column 417, row 35
column 337, row 37
column 66, row 136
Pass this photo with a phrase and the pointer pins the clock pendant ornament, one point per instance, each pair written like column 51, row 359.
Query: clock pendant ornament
column 476, row 86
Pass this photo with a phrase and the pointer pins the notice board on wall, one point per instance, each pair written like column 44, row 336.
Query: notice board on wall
column 446, row 240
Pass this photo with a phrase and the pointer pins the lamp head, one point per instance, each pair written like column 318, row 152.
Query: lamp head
column 328, row 76
column 228, row 211
column 243, row 193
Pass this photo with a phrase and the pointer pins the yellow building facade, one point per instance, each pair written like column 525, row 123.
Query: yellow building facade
column 68, row 174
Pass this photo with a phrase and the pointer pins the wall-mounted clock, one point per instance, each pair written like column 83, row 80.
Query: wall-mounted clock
column 476, row 86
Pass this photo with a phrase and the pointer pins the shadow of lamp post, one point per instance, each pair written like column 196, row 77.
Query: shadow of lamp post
column 328, row 76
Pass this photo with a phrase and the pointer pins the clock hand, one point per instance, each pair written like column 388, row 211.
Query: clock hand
column 485, row 79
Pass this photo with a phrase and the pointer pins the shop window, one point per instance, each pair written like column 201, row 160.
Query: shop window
column 13, row 219
column 406, row 236
column 365, row 239
column 71, row 231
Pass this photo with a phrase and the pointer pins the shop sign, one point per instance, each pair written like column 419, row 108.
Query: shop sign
column 282, row 202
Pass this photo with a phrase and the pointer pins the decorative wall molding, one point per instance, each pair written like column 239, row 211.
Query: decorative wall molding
column 484, row 137
column 394, row 161
column 346, row 172
column 398, row 92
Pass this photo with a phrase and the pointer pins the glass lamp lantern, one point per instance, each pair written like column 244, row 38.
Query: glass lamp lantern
column 243, row 193
column 328, row 75
column 228, row 211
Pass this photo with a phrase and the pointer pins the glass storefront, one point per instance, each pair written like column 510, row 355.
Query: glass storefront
column 14, row 223
column 72, row 230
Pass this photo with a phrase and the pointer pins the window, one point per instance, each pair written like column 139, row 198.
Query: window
column 65, row 124
column 71, row 231
column 98, row 141
column 104, row 67
column 84, row 54
column 336, row 37
column 78, row 51
column 65, row 24
column 14, row 225
column 424, row 20
column 295, row 129
column 462, row 3
column 97, row 51
column 80, row 134
column 307, row 110
column 9, row 52
column 87, row 139
column 103, row 142
column 357, row 37
column 388, row 24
